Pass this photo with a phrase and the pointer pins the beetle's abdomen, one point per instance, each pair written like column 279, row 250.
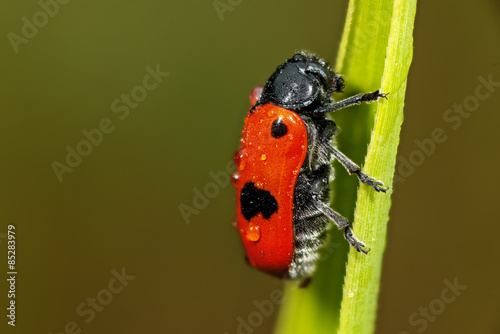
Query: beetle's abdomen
column 272, row 152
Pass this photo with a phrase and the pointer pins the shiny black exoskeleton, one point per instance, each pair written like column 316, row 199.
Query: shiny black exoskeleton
column 305, row 84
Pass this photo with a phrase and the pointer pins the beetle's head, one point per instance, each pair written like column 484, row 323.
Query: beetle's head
column 302, row 84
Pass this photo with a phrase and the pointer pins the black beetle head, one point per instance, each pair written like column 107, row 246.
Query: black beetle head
column 302, row 83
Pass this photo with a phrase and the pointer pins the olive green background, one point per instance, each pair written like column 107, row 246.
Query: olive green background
column 119, row 208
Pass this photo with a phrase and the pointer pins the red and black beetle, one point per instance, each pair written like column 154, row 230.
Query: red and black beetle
column 284, row 168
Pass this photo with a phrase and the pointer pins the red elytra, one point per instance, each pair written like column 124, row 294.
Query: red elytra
column 271, row 164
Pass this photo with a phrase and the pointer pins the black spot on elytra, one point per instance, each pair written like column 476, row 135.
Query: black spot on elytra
column 278, row 129
column 254, row 200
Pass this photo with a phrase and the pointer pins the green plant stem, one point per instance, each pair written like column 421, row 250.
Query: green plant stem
column 375, row 52
column 362, row 282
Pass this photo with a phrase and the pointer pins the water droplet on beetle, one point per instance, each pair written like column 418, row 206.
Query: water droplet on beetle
column 252, row 232
column 235, row 177
column 240, row 159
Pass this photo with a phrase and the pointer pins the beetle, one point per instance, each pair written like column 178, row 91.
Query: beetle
column 284, row 168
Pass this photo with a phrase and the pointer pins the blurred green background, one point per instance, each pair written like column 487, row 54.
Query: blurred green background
column 119, row 206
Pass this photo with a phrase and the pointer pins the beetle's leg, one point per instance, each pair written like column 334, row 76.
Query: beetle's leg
column 342, row 223
column 352, row 168
column 358, row 245
column 351, row 101
column 336, row 217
